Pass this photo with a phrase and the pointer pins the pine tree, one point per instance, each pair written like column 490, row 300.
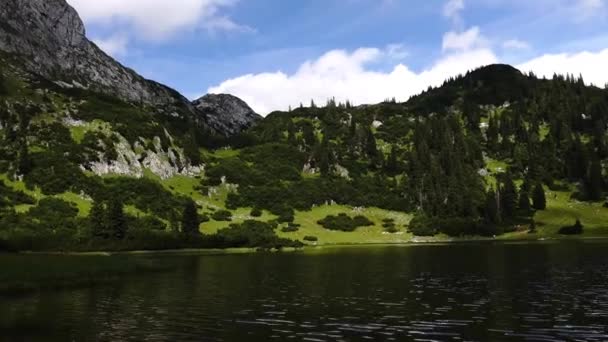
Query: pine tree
column 392, row 164
column 491, row 211
column 539, row 202
column 594, row 180
column 117, row 222
column 97, row 221
column 508, row 197
column 190, row 219
column 524, row 201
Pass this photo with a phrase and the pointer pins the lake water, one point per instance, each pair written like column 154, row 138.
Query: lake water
column 463, row 292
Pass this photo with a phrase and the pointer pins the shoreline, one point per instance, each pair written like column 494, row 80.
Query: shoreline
column 308, row 248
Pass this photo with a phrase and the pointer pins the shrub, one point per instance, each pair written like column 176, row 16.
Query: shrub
column 222, row 215
column 286, row 215
column 344, row 222
column 389, row 226
column 290, row 228
column 576, row 229
column 311, row 238
column 421, row 225
column 256, row 212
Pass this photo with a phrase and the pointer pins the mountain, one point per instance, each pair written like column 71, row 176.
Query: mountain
column 94, row 156
column 47, row 38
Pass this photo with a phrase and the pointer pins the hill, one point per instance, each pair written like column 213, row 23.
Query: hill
column 94, row 156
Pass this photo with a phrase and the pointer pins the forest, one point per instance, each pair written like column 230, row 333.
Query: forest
column 484, row 154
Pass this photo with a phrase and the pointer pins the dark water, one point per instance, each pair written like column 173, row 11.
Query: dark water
column 469, row 292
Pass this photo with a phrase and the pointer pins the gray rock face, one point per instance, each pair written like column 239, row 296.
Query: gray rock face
column 48, row 38
column 226, row 113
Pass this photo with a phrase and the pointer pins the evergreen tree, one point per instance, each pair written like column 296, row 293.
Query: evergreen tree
column 539, row 202
column 24, row 164
column 97, row 221
column 524, row 201
column 392, row 164
column 491, row 211
column 116, row 221
column 594, row 180
column 190, row 219
column 508, row 197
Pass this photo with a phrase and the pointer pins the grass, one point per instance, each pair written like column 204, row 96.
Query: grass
column 374, row 234
column 83, row 205
column 562, row 211
column 23, row 273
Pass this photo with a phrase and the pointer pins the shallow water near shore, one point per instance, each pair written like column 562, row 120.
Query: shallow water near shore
column 553, row 291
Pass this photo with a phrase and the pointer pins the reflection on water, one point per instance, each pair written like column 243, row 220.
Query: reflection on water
column 468, row 292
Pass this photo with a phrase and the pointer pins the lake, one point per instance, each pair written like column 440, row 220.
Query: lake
column 554, row 291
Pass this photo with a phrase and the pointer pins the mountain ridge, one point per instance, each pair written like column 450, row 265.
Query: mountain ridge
column 49, row 39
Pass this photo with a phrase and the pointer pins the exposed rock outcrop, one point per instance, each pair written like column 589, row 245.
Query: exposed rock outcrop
column 47, row 38
column 226, row 113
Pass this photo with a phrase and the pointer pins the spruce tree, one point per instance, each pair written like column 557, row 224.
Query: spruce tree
column 539, row 202
column 594, row 180
column 491, row 211
column 117, row 222
column 508, row 197
column 524, row 201
column 190, row 219
column 97, row 221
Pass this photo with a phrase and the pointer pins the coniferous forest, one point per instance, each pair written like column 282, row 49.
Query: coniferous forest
column 485, row 154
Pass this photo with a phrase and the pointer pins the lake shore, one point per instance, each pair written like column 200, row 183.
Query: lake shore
column 416, row 241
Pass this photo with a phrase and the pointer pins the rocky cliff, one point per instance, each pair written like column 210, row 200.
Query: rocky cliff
column 47, row 37
column 226, row 113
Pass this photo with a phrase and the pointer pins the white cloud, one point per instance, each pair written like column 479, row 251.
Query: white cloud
column 591, row 4
column 515, row 44
column 592, row 65
column 452, row 10
column 158, row 19
column 114, row 46
column 463, row 41
column 346, row 76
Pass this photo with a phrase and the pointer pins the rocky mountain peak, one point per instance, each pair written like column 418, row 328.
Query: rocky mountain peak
column 226, row 112
column 47, row 38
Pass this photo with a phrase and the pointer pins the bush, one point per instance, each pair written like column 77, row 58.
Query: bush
column 389, row 226
column 421, row 225
column 576, row 229
column 290, row 228
column 256, row 212
column 222, row 215
column 286, row 215
column 311, row 238
column 253, row 234
column 344, row 222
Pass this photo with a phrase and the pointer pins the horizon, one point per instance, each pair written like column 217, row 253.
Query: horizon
column 275, row 55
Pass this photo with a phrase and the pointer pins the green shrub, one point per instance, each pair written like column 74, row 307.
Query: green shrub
column 575, row 229
column 256, row 212
column 421, row 225
column 290, row 228
column 222, row 215
column 344, row 222
column 311, row 238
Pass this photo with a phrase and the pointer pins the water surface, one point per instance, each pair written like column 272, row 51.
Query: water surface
column 463, row 292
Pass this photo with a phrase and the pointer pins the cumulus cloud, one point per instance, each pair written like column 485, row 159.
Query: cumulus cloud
column 114, row 46
column 158, row 19
column 463, row 41
column 347, row 76
column 452, row 10
column 592, row 65
column 515, row 44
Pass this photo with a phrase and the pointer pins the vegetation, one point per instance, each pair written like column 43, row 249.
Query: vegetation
column 492, row 153
column 344, row 222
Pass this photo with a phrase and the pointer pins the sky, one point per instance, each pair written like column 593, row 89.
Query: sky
column 279, row 53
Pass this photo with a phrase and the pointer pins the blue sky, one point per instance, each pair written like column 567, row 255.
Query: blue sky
column 276, row 53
